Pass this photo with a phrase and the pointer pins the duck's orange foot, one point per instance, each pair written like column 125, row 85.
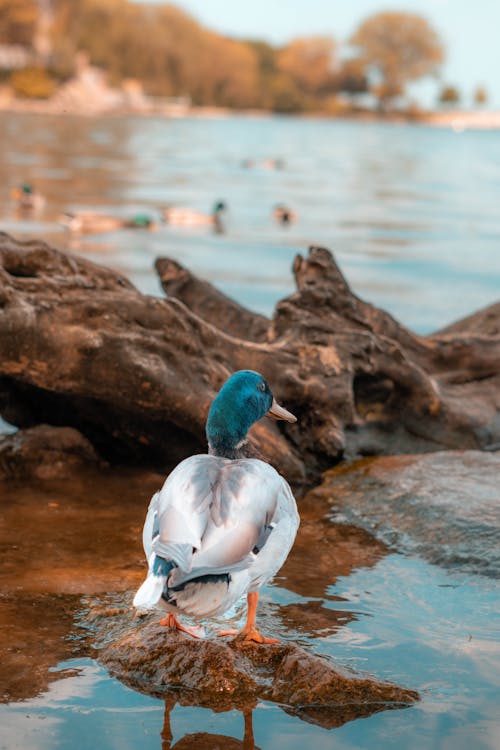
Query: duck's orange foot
column 250, row 635
column 171, row 621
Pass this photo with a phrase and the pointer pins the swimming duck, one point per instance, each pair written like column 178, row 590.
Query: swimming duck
column 284, row 215
column 181, row 216
column 223, row 523
column 28, row 199
column 92, row 223
column 269, row 164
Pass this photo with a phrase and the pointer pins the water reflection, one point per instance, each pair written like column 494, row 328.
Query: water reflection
column 205, row 740
column 375, row 194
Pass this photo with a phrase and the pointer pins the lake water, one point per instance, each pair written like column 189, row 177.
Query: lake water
column 410, row 212
column 412, row 216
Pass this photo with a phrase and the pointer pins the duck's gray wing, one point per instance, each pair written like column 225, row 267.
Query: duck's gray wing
column 244, row 503
column 150, row 528
column 180, row 515
column 272, row 549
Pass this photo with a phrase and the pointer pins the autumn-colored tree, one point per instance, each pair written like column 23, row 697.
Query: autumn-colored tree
column 165, row 48
column 449, row 95
column 17, row 21
column 397, row 48
column 309, row 62
column 351, row 78
column 480, row 96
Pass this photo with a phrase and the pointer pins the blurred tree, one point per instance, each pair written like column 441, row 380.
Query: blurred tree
column 165, row 48
column 351, row 77
column 284, row 96
column 449, row 95
column 480, row 96
column 398, row 48
column 310, row 63
column 18, row 21
column 32, row 83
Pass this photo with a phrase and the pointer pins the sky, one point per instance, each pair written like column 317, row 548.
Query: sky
column 469, row 29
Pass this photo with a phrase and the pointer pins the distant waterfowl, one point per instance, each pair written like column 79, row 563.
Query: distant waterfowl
column 223, row 523
column 181, row 216
column 263, row 164
column 94, row 223
column 28, row 199
column 273, row 164
column 284, row 215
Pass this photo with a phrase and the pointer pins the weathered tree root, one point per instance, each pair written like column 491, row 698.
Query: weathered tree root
column 81, row 347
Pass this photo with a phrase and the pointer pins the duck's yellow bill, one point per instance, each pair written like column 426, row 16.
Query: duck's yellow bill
column 278, row 412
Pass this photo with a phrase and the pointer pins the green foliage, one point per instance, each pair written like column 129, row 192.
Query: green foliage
column 32, row 83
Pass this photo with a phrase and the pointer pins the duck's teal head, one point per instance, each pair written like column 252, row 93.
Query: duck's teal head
column 141, row 221
column 219, row 207
column 243, row 399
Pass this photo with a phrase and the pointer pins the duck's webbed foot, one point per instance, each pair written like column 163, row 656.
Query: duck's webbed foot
column 248, row 635
column 250, row 632
column 171, row 621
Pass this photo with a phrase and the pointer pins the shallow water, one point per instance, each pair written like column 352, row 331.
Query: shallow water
column 412, row 216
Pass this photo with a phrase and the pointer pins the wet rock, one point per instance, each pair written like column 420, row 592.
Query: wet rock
column 226, row 673
column 81, row 347
column 45, row 452
column 443, row 506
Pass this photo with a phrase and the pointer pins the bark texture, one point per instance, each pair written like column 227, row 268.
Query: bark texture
column 81, row 347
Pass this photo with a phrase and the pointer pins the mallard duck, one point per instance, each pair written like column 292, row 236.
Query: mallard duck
column 28, row 199
column 223, row 523
column 284, row 215
column 269, row 164
column 182, row 216
column 92, row 223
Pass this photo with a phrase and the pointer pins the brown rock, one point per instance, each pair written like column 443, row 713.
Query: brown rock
column 224, row 674
column 443, row 506
column 45, row 452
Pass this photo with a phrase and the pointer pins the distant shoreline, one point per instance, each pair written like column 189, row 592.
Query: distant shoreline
column 456, row 120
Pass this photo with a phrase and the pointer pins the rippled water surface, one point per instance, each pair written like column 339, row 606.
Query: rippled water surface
column 412, row 215
column 411, row 212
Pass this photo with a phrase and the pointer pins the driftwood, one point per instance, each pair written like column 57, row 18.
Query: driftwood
column 81, row 347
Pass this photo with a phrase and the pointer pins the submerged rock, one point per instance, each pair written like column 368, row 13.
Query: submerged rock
column 226, row 673
column 443, row 506
column 45, row 452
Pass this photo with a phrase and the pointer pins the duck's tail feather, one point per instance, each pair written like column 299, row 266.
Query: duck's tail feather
column 150, row 593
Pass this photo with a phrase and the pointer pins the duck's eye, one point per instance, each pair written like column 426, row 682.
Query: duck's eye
column 261, row 386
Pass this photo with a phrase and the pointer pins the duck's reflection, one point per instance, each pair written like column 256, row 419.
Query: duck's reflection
column 206, row 740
